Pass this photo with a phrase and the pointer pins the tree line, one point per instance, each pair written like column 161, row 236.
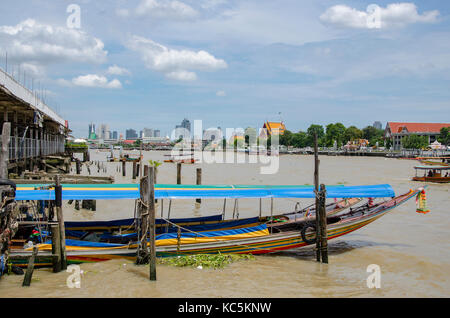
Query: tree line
column 328, row 135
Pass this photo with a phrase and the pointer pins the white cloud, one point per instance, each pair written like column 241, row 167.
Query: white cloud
column 221, row 93
column 116, row 70
column 30, row 41
column 166, row 9
column 175, row 64
column 182, row 75
column 93, row 80
column 123, row 12
column 395, row 14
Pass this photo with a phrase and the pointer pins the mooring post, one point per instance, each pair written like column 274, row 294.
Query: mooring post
column 56, row 248
column 199, row 181
column 151, row 217
column 260, row 207
column 179, row 173
column 6, row 132
column 323, row 225
column 224, row 207
column 142, row 252
column 316, row 190
column 271, row 213
column 59, row 213
column 124, row 172
column 30, row 268
column 134, row 170
column 78, row 165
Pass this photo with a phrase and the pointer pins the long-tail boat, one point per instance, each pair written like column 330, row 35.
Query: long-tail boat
column 257, row 239
column 436, row 174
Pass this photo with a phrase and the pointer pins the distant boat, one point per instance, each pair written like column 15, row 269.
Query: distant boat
column 433, row 173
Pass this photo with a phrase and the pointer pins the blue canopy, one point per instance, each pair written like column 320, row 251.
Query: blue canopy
column 365, row 191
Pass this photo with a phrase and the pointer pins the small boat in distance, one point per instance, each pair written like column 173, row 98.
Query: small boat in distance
column 437, row 174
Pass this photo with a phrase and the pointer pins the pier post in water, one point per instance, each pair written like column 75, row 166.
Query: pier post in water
column 4, row 154
column 59, row 213
column 78, row 166
column 316, row 190
column 124, row 170
column 142, row 252
column 30, row 268
column 199, row 182
column 323, row 225
column 134, row 170
column 179, row 173
column 151, row 219
column 56, row 249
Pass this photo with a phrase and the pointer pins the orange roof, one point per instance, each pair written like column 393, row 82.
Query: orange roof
column 273, row 126
column 396, row 127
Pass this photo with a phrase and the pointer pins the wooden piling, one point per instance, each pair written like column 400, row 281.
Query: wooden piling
column 134, row 170
column 179, row 173
column 30, row 268
column 78, row 166
column 142, row 252
column 199, row 182
column 323, row 225
column 151, row 216
column 4, row 154
column 56, row 248
column 59, row 213
column 316, row 188
column 124, row 170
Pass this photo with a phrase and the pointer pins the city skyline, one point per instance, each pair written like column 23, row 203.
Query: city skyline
column 315, row 63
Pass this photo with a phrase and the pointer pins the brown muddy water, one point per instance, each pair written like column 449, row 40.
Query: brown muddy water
column 412, row 250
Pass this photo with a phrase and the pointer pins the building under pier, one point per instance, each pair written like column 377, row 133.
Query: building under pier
column 37, row 130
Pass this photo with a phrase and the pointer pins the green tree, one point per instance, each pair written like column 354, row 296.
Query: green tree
column 300, row 139
column 250, row 136
column 444, row 137
column 373, row 135
column 137, row 142
column 415, row 142
column 318, row 129
column 352, row 133
column 335, row 132
column 287, row 138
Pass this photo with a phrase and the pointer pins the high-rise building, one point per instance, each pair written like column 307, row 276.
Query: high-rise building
column 377, row 125
column 157, row 133
column 147, row 132
column 186, row 124
column 183, row 131
column 91, row 134
column 115, row 135
column 130, row 134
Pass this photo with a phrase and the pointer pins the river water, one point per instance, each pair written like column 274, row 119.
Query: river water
column 412, row 250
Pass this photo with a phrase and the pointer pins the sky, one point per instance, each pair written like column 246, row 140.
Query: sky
column 233, row 64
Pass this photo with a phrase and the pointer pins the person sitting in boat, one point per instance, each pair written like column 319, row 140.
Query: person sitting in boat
column 430, row 173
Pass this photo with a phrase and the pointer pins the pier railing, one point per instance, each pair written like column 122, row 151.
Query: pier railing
column 26, row 148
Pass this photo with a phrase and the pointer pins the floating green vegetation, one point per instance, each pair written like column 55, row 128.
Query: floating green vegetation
column 79, row 145
column 214, row 261
column 343, row 182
